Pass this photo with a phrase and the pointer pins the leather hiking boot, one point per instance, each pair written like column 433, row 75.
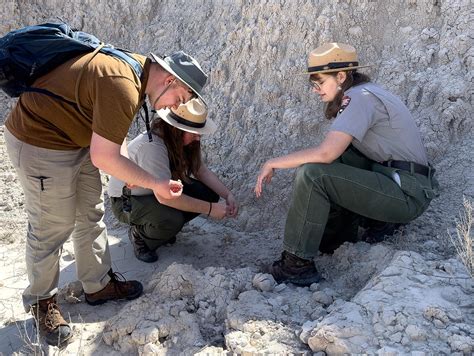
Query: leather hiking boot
column 50, row 323
column 293, row 269
column 141, row 250
column 115, row 290
column 378, row 231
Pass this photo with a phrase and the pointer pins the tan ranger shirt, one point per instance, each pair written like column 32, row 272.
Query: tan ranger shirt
column 110, row 94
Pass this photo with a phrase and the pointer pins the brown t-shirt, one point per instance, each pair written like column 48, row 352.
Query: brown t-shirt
column 110, row 94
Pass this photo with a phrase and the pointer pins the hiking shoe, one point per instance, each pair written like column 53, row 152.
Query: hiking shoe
column 378, row 231
column 50, row 323
column 293, row 269
column 141, row 250
column 115, row 290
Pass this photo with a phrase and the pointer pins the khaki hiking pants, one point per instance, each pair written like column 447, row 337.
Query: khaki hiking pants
column 63, row 197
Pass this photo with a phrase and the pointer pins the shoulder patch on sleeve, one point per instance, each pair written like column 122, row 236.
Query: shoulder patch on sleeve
column 345, row 103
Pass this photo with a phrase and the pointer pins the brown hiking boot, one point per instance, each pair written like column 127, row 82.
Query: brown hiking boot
column 50, row 323
column 115, row 290
column 141, row 250
column 293, row 269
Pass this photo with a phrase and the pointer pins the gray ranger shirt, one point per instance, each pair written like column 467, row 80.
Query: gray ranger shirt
column 382, row 127
column 151, row 156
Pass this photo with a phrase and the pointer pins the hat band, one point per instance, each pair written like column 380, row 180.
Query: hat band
column 333, row 65
column 186, row 122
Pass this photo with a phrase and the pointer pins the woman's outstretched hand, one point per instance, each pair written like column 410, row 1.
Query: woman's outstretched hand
column 265, row 176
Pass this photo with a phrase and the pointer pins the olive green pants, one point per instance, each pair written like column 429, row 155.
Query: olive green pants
column 328, row 199
column 158, row 223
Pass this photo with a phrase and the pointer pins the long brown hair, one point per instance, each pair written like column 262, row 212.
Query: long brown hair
column 353, row 78
column 184, row 160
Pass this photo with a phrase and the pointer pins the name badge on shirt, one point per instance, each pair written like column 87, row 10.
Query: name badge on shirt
column 345, row 103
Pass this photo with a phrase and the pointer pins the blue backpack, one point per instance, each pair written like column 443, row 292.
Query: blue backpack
column 30, row 52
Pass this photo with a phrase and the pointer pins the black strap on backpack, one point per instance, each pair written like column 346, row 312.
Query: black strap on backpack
column 147, row 121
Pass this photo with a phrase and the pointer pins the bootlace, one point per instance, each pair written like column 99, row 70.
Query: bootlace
column 52, row 315
column 119, row 282
column 117, row 277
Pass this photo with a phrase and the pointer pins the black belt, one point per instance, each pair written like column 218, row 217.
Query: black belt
column 411, row 167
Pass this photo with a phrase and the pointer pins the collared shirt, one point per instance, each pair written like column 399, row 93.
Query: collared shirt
column 382, row 127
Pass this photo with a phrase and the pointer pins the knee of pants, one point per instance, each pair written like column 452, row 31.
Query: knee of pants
column 174, row 219
column 309, row 173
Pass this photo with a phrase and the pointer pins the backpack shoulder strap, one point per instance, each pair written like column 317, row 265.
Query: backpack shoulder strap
column 78, row 81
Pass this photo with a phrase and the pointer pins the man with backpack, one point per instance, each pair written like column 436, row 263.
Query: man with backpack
column 57, row 149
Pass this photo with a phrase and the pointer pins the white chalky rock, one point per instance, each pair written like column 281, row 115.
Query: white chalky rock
column 460, row 343
column 151, row 349
column 351, row 327
column 306, row 330
column 263, row 282
column 280, row 287
column 322, row 297
column 10, row 177
column 71, row 293
column 415, row 333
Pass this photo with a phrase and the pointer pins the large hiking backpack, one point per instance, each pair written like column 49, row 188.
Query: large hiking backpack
column 32, row 51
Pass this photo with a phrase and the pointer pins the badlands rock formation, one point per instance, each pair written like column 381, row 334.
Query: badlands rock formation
column 408, row 295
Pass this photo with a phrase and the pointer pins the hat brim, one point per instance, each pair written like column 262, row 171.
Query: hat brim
column 208, row 129
column 166, row 66
column 335, row 70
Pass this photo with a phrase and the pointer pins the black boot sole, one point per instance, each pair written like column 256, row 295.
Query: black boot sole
column 149, row 258
column 56, row 341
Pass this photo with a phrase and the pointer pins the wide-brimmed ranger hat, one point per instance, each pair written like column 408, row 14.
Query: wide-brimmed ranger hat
column 190, row 117
column 185, row 68
column 333, row 57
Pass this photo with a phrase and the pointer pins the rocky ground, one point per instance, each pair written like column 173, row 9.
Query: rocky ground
column 206, row 294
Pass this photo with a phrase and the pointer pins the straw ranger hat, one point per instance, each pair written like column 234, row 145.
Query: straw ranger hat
column 190, row 117
column 185, row 68
column 333, row 57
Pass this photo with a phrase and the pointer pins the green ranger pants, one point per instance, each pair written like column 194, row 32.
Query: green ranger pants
column 158, row 223
column 328, row 199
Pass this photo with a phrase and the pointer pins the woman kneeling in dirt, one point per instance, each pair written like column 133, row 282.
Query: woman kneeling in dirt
column 175, row 151
column 371, row 165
